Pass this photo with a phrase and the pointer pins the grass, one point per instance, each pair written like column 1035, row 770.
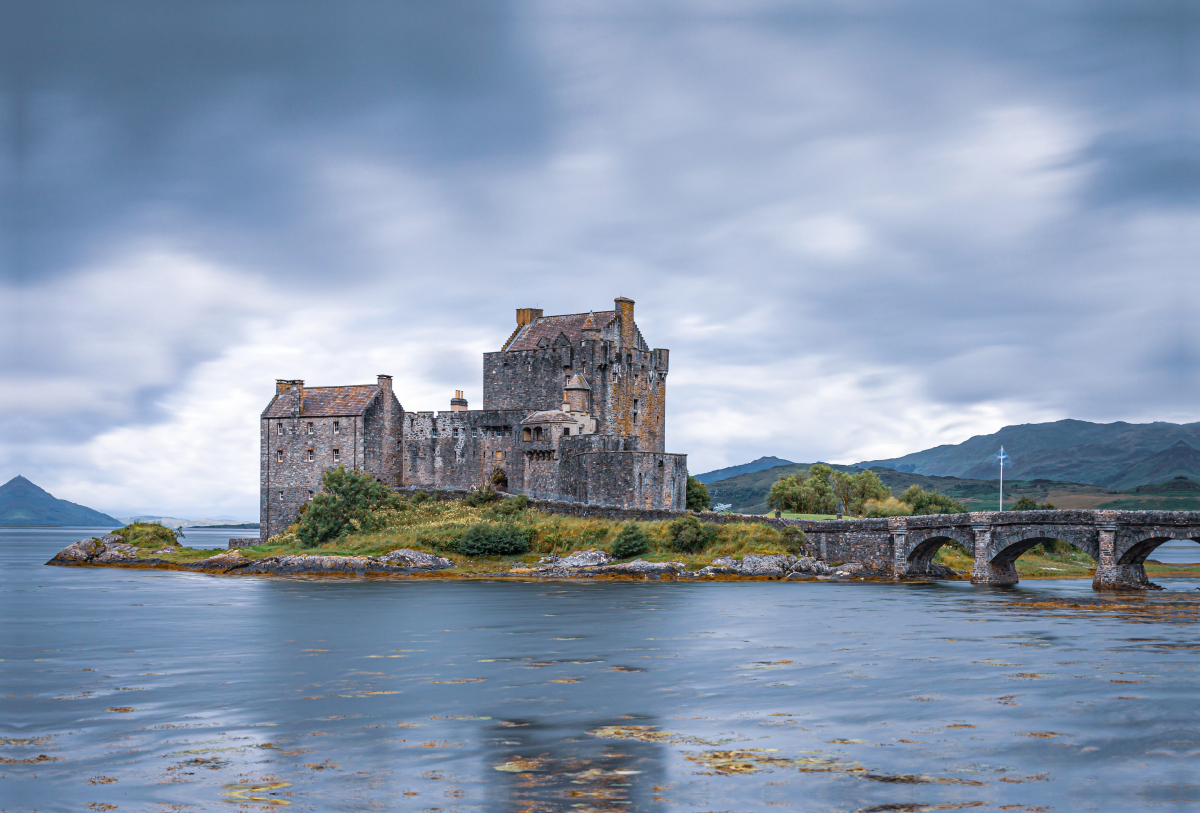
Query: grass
column 436, row 527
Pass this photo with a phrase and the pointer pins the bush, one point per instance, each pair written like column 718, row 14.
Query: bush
column 930, row 502
column 630, row 542
column 149, row 535
column 795, row 541
column 480, row 497
column 420, row 497
column 688, row 535
column 1030, row 504
column 347, row 504
column 494, row 539
column 891, row 507
column 697, row 495
column 509, row 507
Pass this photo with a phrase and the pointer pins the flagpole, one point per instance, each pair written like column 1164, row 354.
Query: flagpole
column 1001, row 478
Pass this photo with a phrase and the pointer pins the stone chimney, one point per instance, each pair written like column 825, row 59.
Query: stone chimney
column 628, row 329
column 577, row 395
column 296, row 385
column 458, row 403
column 385, row 383
column 526, row 316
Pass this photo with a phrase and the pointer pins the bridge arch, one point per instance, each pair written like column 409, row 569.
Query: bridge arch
column 923, row 544
column 1138, row 549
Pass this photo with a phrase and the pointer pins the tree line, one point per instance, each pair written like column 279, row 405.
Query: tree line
column 823, row 490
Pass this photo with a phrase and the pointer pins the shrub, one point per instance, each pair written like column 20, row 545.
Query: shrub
column 494, row 539
column 1030, row 504
column 509, row 507
column 697, row 495
column 481, row 497
column 688, row 535
column 891, row 507
column 795, row 541
column 420, row 497
column 347, row 504
column 930, row 502
column 630, row 542
column 149, row 535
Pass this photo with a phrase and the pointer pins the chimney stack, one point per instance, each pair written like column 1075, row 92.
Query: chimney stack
column 525, row 316
column 385, row 382
column 458, row 403
column 628, row 329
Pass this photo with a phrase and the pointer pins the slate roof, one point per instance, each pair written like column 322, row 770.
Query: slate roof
column 551, row 327
column 324, row 402
column 549, row 416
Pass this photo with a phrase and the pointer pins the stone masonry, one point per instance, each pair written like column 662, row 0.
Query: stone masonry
column 574, row 410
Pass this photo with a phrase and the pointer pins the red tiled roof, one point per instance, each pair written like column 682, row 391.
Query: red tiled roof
column 323, row 402
column 550, row 328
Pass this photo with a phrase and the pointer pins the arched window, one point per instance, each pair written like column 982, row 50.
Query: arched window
column 537, row 433
column 526, row 433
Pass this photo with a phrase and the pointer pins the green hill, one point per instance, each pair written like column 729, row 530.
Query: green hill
column 1180, row 460
column 1064, row 451
column 23, row 503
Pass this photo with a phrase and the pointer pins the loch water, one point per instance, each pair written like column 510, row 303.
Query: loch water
column 139, row 690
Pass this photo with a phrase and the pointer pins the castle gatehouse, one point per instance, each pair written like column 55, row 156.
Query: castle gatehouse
column 574, row 409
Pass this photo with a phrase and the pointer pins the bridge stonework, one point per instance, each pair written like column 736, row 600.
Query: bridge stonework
column 1119, row 541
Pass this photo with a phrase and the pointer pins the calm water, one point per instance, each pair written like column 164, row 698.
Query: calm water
column 202, row 693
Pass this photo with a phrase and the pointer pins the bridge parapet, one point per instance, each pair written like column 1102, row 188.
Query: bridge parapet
column 1119, row 541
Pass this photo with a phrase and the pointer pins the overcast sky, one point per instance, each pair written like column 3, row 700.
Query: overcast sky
column 862, row 228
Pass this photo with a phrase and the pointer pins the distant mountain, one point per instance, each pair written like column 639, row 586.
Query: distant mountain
column 1180, row 460
column 23, row 503
column 746, row 468
column 202, row 522
column 1102, row 454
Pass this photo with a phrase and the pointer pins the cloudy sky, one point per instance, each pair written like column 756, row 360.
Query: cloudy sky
column 862, row 228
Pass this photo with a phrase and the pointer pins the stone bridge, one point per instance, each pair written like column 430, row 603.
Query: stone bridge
column 1119, row 541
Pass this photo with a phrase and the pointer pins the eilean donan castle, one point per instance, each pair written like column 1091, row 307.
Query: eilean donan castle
column 573, row 410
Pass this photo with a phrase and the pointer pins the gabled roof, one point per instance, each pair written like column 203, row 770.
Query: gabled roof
column 549, row 416
column 546, row 330
column 323, row 402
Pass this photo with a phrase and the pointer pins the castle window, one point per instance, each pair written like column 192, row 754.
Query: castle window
column 310, row 456
column 526, row 434
column 310, row 496
column 537, row 433
column 279, row 428
column 309, row 428
column 566, row 431
column 337, row 455
column 660, row 464
column 279, row 455
column 337, row 428
column 498, row 455
column 281, row 496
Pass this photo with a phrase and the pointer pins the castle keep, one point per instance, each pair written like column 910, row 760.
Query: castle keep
column 573, row 410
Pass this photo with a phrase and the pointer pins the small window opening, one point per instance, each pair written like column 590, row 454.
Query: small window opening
column 279, row 455
column 310, row 496
column 566, row 431
column 337, row 455
column 310, row 456
column 526, row 434
column 337, row 427
column 281, row 496
column 537, row 433
column 309, row 427
column 660, row 464
column 279, row 428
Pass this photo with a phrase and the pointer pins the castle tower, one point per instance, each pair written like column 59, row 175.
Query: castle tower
column 577, row 395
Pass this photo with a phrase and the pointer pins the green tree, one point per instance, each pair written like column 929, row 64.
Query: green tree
column 348, row 503
column 697, row 495
column 1030, row 504
column 630, row 542
column 930, row 502
column 855, row 490
column 810, row 493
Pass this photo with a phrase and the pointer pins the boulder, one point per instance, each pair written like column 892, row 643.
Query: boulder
column 577, row 559
column 640, row 567
column 82, row 551
column 224, row 561
column 404, row 557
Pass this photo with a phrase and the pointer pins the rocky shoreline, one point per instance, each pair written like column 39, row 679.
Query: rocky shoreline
column 114, row 551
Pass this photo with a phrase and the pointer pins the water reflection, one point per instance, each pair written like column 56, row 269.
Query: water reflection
column 148, row 689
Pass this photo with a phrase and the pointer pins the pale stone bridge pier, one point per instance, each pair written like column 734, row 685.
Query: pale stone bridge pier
column 1119, row 541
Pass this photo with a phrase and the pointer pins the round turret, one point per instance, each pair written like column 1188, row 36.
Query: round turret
column 577, row 395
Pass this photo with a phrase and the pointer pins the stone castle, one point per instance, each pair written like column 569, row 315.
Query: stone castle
column 573, row 410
